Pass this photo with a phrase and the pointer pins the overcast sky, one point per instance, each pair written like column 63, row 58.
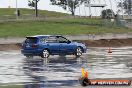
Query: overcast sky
column 46, row 5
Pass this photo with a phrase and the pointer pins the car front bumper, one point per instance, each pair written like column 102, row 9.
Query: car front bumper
column 84, row 49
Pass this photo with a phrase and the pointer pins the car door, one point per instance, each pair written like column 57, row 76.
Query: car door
column 52, row 45
column 66, row 47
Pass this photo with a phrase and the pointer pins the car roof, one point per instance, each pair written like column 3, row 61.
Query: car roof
column 39, row 36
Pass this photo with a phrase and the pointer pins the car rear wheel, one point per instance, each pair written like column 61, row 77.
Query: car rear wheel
column 78, row 52
column 45, row 54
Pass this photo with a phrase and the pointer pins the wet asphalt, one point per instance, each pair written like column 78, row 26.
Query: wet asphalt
column 64, row 72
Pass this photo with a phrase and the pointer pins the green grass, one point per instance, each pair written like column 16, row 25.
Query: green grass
column 12, row 86
column 9, row 13
column 60, row 26
column 55, row 23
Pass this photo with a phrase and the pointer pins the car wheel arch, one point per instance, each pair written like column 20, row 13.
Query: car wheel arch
column 46, row 49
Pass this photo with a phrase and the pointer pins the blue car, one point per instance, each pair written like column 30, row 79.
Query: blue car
column 46, row 45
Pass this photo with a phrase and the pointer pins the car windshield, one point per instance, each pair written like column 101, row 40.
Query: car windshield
column 31, row 40
column 62, row 40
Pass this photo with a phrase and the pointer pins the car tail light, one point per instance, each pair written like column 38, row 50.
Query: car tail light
column 34, row 46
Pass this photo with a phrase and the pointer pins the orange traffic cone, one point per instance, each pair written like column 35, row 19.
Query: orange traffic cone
column 84, row 73
column 109, row 50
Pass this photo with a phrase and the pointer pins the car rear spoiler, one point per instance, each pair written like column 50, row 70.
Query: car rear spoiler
column 31, row 37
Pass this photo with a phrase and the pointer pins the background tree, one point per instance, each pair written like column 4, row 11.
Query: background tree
column 68, row 4
column 108, row 14
column 34, row 4
column 126, row 5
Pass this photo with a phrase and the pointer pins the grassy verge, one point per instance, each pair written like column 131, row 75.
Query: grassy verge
column 58, row 26
column 9, row 13
column 50, row 22
column 12, row 86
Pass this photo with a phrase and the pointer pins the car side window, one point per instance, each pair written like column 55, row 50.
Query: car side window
column 42, row 40
column 62, row 40
column 51, row 40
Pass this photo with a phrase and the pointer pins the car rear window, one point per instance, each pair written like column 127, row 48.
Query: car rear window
column 31, row 40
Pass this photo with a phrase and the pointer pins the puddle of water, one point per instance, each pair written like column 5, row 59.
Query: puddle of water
column 65, row 71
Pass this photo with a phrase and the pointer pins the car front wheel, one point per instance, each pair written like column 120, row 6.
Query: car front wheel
column 78, row 52
column 45, row 54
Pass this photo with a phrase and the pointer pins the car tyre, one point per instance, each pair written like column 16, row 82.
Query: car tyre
column 78, row 52
column 45, row 54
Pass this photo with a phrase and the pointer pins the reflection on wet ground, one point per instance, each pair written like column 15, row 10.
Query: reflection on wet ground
column 64, row 71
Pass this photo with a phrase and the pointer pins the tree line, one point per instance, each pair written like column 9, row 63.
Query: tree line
column 71, row 5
